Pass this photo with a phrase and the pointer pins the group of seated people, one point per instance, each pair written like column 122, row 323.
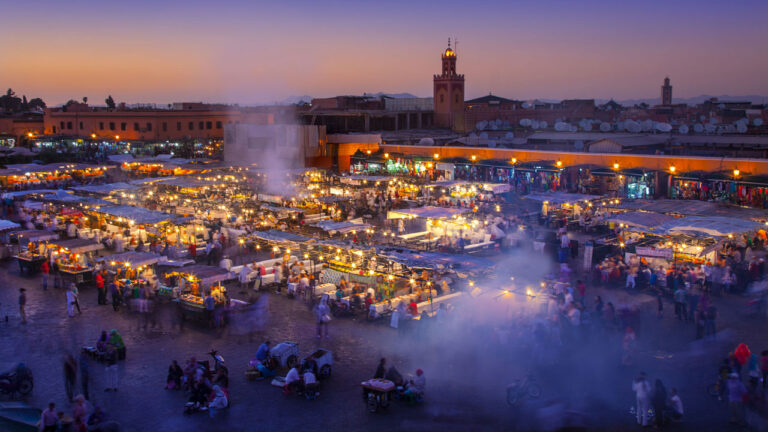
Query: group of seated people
column 108, row 346
column 205, row 390
column 302, row 378
column 412, row 389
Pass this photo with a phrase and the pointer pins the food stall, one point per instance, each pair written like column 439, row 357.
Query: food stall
column 30, row 259
column 191, row 284
column 72, row 258
column 132, row 270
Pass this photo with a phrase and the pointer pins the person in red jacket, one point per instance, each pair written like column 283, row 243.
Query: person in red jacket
column 192, row 250
column 100, row 286
column 46, row 270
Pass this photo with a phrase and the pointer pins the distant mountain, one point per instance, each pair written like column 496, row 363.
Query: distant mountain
column 392, row 95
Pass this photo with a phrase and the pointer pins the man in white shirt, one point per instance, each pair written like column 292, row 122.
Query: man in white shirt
column 310, row 382
column 675, row 410
column 292, row 380
column 565, row 242
column 642, row 389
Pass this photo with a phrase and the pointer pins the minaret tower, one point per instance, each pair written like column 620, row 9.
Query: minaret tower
column 449, row 93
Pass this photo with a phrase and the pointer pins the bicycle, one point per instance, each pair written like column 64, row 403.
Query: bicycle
column 527, row 387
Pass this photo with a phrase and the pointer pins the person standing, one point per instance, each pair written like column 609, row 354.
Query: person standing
column 102, row 299
column 642, row 389
column 111, row 359
column 23, row 305
column 70, row 375
column 680, row 305
column 659, row 401
column 45, row 270
column 49, row 419
column 210, row 305
column 71, row 299
column 322, row 316
column 736, row 391
column 76, row 293
column 114, row 292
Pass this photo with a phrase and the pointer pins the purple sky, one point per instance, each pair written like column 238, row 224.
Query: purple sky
column 249, row 52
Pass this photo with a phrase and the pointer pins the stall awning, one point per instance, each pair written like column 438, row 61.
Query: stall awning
column 105, row 189
column 6, row 225
column 78, row 245
column 711, row 225
column 436, row 260
column 358, row 179
column 207, row 274
column 341, row 227
column 693, row 208
column 497, row 188
column 35, row 235
column 426, row 212
column 29, row 192
column 138, row 215
column 135, row 259
column 280, row 236
column 561, row 197
column 69, row 198
column 640, row 219
column 184, row 182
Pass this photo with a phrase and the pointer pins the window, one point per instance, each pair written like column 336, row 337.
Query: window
column 165, row 127
column 101, row 125
column 208, row 125
column 69, row 125
column 123, row 126
column 218, row 125
column 442, row 98
column 149, row 126
column 81, row 125
column 456, row 98
column 178, row 126
column 201, row 125
column 136, row 126
column 54, row 129
column 191, row 125
column 62, row 125
column 111, row 125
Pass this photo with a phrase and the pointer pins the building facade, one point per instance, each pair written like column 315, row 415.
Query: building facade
column 187, row 121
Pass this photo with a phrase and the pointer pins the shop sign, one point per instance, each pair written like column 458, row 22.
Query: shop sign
column 654, row 252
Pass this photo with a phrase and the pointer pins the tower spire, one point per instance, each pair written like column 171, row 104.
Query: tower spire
column 449, row 42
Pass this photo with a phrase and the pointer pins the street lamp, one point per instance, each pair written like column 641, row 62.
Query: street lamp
column 736, row 173
column 436, row 156
column 672, row 169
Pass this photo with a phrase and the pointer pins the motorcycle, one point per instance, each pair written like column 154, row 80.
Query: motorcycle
column 519, row 389
column 17, row 380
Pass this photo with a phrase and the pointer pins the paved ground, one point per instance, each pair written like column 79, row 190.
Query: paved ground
column 466, row 369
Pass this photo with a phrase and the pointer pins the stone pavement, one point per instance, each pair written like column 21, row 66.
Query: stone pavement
column 466, row 377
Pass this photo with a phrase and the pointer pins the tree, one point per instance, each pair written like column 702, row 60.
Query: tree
column 9, row 102
column 110, row 102
column 36, row 103
column 85, row 99
column 24, row 103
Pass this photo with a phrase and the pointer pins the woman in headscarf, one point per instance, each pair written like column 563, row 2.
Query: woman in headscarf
column 117, row 341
